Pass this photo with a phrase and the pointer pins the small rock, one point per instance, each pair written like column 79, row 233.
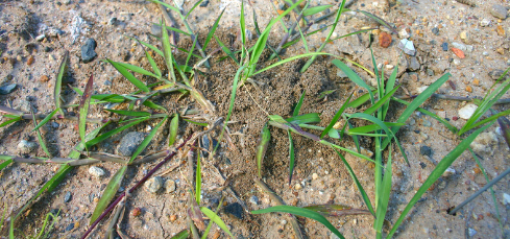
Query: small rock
column 498, row 11
column 298, row 186
column 96, row 171
column 444, row 46
column 500, row 30
column 170, row 186
column 456, row 62
column 7, row 89
column 68, row 197
column 459, row 46
column 234, row 209
column 407, row 46
column 430, row 72
column 463, row 36
column 506, row 199
column 113, row 21
column 426, row 123
column 426, row 150
column 179, row 3
column 40, row 37
column 384, row 39
column 283, row 222
column 54, row 125
column 422, row 88
column 30, row 60
column 470, row 48
column 136, row 212
column 485, row 22
column 315, row 176
column 501, row 51
column 435, row 30
column 449, row 172
column 340, row 74
column 44, row 79
column 154, row 184
column 254, row 200
column 496, row 74
column 390, row 67
column 485, row 53
column 403, row 34
column 467, row 111
column 472, row 232
column 414, row 65
column 204, row 3
column 130, row 142
column 88, row 50
column 70, row 227
column 26, row 147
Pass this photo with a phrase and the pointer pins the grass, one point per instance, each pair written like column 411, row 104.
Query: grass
column 178, row 77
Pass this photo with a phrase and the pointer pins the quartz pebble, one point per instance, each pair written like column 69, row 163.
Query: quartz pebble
column 506, row 199
column 96, row 171
column 467, row 111
column 449, row 172
column 407, row 46
column 153, row 185
column 26, row 147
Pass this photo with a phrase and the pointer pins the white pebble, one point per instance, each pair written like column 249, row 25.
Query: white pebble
column 506, row 199
column 170, row 186
column 26, row 147
column 467, row 111
column 298, row 186
column 154, row 184
column 449, row 172
column 315, row 176
column 96, row 171
column 472, row 232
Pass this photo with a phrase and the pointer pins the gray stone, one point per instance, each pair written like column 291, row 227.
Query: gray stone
column 130, row 142
column 414, row 65
column 153, row 185
column 88, row 50
column 472, row 232
column 430, row 72
column 426, row 150
column 70, row 227
column 26, row 147
column 444, row 46
column 254, row 200
column 204, row 3
column 54, row 125
column 459, row 46
column 435, row 30
column 170, row 186
column 68, row 197
column 499, row 11
column 113, row 21
column 496, row 74
column 407, row 46
column 7, row 89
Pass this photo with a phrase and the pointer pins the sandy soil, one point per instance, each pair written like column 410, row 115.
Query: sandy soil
column 164, row 214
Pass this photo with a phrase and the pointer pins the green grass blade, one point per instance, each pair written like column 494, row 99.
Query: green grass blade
column 191, row 51
column 435, row 174
column 155, row 106
column 174, row 128
column 137, row 69
column 181, row 235
column 242, row 25
column 426, row 112
column 84, row 107
column 131, row 113
column 354, row 77
column 114, row 131
column 337, row 18
column 372, row 127
column 196, row 123
column 379, row 20
column 213, row 30
column 216, row 219
column 416, row 103
column 389, row 87
column 261, row 150
column 489, row 119
column 193, row 8
column 130, row 77
column 291, row 59
column 315, row 10
column 336, row 117
column 292, row 157
column 384, row 198
column 58, row 81
column 45, row 120
column 152, row 47
column 109, row 193
column 167, row 51
column 198, row 180
column 364, row 195
column 381, row 102
column 2, row 166
column 299, row 104
column 177, row 30
column 39, row 136
column 226, row 50
column 353, row 153
column 147, row 140
column 303, row 213
column 305, row 119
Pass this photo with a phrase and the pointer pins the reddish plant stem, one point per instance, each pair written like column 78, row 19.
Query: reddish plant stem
column 114, row 203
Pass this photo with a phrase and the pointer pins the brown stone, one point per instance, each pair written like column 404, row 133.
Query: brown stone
column 384, row 39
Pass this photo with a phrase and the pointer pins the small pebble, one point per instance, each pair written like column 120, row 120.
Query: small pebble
column 435, row 30
column 44, row 79
column 403, row 34
column 154, row 184
column 467, row 111
column 426, row 150
column 7, row 89
column 444, row 46
column 407, row 46
column 469, row 89
column 204, row 3
column 449, row 172
column 26, row 147
column 426, row 123
column 472, row 232
column 506, row 199
column 88, row 50
column 496, row 74
column 30, row 60
column 68, row 197
column 173, row 218
column 235, row 209
column 96, row 171
column 498, row 11
column 70, row 227
column 315, row 176
column 384, row 39
column 130, row 142
column 298, row 186
column 170, row 186
column 136, row 212
column 254, row 200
